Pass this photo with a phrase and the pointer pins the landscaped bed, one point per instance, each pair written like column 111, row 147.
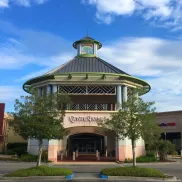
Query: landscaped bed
column 133, row 171
column 41, row 171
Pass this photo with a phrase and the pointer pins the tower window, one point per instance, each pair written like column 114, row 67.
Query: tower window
column 87, row 49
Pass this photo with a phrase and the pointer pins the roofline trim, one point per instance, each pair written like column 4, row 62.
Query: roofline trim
column 43, row 77
column 87, row 41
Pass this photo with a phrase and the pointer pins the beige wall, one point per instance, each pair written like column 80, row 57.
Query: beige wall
column 84, row 118
column 170, row 117
column 13, row 138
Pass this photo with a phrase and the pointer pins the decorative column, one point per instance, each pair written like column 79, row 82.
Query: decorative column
column 39, row 92
column 95, row 49
column 120, row 149
column 54, row 88
column 53, row 144
column 124, row 91
column 119, row 97
column 48, row 89
column 52, row 150
column 79, row 49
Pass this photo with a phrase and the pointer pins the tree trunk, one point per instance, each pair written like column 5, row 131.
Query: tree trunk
column 133, row 152
column 40, row 153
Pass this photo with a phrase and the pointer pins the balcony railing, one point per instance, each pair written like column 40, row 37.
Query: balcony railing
column 91, row 107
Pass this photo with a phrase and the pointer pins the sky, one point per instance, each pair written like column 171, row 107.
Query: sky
column 141, row 37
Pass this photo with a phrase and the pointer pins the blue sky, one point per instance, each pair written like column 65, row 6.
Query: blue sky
column 141, row 37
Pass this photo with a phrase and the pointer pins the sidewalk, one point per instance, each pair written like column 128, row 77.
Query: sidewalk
column 83, row 163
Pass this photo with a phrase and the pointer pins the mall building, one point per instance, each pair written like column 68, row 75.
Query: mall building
column 97, row 89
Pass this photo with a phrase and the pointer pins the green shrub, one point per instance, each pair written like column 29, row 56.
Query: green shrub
column 10, row 152
column 28, row 158
column 41, row 171
column 142, row 159
column 44, row 156
column 133, row 171
column 128, row 160
column 9, row 159
column 16, row 145
column 16, row 148
column 150, row 154
column 163, row 147
column 146, row 159
column 33, row 158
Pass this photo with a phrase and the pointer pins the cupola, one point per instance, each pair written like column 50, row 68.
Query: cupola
column 87, row 47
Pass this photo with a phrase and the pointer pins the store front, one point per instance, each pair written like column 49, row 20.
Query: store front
column 86, row 143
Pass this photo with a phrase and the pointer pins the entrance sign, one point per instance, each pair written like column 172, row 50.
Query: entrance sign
column 167, row 124
column 74, row 119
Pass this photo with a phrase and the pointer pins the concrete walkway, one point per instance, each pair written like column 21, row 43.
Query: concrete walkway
column 86, row 176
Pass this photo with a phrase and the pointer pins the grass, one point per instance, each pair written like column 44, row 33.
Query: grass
column 133, row 171
column 41, row 171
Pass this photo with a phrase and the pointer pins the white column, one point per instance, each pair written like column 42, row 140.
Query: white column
column 124, row 93
column 119, row 97
column 48, row 89
column 95, row 49
column 105, row 141
column 79, row 48
column 54, row 88
column 39, row 90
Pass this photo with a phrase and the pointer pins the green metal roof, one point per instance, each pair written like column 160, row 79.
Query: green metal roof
column 87, row 40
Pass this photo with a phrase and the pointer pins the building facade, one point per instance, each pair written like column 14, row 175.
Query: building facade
column 97, row 89
column 171, row 125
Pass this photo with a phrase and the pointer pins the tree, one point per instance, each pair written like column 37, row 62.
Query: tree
column 131, row 121
column 162, row 147
column 40, row 117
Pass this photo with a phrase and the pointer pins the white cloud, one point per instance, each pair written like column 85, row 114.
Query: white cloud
column 155, row 60
column 9, row 93
column 49, row 51
column 4, row 3
column 144, row 56
column 167, row 12
column 25, row 3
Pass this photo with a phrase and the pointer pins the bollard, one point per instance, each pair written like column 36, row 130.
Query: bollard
column 61, row 155
column 66, row 153
column 98, row 156
column 76, row 153
column 96, row 153
column 106, row 153
column 73, row 156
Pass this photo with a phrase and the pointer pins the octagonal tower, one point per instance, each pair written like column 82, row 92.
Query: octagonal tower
column 97, row 89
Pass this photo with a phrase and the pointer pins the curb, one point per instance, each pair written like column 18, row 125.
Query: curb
column 144, row 163
column 38, row 177
column 103, row 176
column 69, row 176
column 171, row 178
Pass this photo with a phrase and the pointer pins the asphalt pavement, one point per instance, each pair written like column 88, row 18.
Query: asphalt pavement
column 90, row 171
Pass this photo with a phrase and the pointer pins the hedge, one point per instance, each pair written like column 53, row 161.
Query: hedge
column 133, row 171
column 41, row 171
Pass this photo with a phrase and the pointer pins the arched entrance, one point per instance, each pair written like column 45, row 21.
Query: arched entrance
column 86, row 143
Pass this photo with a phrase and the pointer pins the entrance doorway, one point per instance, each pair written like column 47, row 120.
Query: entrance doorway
column 86, row 143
